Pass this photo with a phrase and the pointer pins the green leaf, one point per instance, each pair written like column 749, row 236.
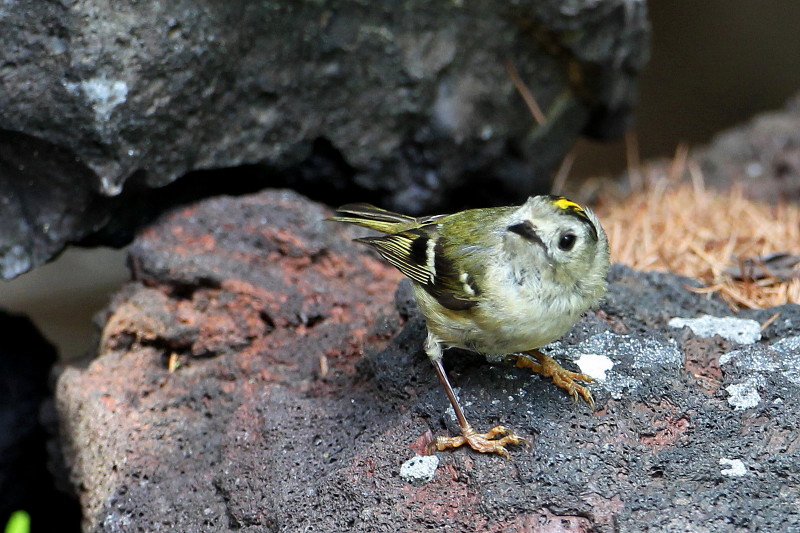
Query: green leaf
column 19, row 522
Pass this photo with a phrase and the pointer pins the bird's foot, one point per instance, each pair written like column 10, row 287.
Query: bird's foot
column 493, row 441
column 548, row 367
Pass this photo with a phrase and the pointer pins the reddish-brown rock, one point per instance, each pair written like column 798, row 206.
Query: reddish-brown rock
column 241, row 313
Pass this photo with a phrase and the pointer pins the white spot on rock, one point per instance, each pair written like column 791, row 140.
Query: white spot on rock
column 740, row 330
column 754, row 170
column 595, row 365
column 736, row 468
column 450, row 412
column 744, row 395
column 646, row 353
column 419, row 469
column 104, row 95
column 782, row 356
column 428, row 53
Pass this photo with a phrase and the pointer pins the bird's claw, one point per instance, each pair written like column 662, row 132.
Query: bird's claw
column 493, row 441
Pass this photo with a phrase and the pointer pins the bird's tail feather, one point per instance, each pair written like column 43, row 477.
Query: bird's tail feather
column 375, row 218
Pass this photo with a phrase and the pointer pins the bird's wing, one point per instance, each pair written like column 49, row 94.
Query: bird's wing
column 419, row 254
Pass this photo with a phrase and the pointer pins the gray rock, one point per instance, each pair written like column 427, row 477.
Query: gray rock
column 761, row 156
column 400, row 103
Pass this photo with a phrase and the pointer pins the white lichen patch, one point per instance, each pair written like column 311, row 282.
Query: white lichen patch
column 644, row 353
column 450, row 412
column 735, row 467
column 595, row 365
column 745, row 395
column 782, row 356
column 618, row 384
column 419, row 469
column 739, row 330
column 102, row 94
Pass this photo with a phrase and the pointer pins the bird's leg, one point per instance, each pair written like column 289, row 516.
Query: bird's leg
column 548, row 367
column 493, row 441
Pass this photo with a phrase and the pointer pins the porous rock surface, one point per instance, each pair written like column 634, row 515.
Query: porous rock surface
column 405, row 102
column 248, row 379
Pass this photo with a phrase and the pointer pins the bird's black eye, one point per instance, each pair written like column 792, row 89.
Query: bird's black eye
column 567, row 241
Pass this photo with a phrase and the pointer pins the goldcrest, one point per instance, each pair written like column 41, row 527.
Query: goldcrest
column 500, row 281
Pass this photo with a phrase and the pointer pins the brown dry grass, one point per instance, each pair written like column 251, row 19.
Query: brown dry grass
column 673, row 224
column 679, row 226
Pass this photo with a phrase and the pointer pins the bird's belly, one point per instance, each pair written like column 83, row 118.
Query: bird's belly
column 514, row 320
column 521, row 329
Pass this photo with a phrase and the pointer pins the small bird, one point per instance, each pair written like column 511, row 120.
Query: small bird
column 500, row 281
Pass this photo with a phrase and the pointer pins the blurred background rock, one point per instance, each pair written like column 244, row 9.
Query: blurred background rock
column 713, row 65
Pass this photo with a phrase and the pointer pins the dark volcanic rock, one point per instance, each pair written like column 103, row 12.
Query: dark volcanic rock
column 26, row 360
column 402, row 103
column 273, row 420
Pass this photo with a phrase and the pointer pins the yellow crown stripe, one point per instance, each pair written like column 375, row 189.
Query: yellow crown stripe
column 563, row 203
